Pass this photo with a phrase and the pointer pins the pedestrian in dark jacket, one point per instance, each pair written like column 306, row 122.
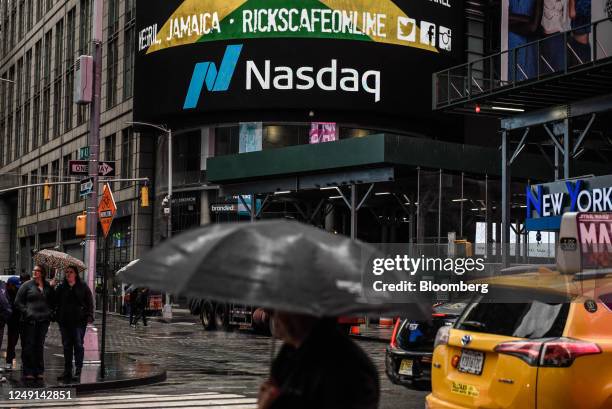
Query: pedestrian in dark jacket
column 140, row 304
column 6, row 309
column 318, row 367
column 12, row 286
column 74, row 303
column 35, row 302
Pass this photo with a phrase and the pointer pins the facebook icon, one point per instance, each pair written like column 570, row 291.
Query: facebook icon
column 215, row 80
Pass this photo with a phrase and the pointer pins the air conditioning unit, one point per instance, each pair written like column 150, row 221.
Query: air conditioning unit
column 83, row 79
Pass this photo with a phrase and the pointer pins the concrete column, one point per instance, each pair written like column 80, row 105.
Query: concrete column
column 5, row 235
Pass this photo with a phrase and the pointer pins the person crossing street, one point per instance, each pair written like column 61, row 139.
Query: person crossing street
column 12, row 324
column 74, row 312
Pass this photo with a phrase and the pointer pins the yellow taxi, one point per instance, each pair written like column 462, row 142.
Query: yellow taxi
column 537, row 340
column 524, row 355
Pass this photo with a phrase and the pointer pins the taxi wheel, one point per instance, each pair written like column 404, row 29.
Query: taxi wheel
column 207, row 316
column 221, row 317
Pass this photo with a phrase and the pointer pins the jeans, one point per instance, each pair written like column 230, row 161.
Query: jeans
column 72, row 341
column 33, row 334
column 13, row 337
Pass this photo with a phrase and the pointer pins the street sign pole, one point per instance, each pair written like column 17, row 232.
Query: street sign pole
column 104, row 307
column 91, row 336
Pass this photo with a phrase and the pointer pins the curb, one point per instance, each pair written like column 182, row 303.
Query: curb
column 116, row 384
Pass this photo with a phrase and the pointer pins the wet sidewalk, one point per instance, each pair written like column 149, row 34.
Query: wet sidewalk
column 120, row 371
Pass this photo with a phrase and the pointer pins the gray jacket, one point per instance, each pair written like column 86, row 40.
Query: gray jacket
column 33, row 304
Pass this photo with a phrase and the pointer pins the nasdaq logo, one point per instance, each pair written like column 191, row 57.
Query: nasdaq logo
column 216, row 80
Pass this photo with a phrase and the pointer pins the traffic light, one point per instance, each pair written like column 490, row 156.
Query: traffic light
column 81, row 225
column 47, row 190
column 144, row 196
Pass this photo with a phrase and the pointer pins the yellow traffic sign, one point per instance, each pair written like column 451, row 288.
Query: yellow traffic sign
column 107, row 209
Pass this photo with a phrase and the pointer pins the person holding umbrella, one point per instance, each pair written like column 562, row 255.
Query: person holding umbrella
column 317, row 367
column 307, row 276
column 35, row 303
column 74, row 303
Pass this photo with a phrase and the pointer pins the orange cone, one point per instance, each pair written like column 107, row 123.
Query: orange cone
column 355, row 330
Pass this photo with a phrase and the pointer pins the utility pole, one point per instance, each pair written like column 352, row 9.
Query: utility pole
column 91, row 336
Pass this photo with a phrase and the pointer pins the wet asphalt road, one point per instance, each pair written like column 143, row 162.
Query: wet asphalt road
column 225, row 362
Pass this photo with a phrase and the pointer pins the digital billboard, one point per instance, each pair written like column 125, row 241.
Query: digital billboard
column 196, row 58
column 526, row 21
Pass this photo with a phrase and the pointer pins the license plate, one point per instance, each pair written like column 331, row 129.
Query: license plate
column 471, row 362
column 406, row 367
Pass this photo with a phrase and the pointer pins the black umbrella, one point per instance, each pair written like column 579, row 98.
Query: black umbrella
column 279, row 264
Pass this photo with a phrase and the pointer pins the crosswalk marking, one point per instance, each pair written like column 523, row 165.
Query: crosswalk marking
column 191, row 400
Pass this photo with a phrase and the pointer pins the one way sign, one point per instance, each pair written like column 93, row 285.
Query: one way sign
column 81, row 167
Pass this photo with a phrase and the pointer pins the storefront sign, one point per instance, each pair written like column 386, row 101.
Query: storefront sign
column 290, row 57
column 224, row 208
column 546, row 203
column 595, row 238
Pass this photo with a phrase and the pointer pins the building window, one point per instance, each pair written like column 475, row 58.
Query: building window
column 33, row 192
column 18, row 135
column 9, row 121
column 112, row 55
column 109, row 148
column 57, row 107
column 44, row 176
column 36, row 103
column 13, row 24
column 18, row 104
column 46, row 107
column 5, row 29
column 29, row 14
column 129, row 49
column 23, row 197
column 126, row 156
column 85, row 27
column 55, row 193
column 66, row 174
column 21, row 19
column 26, row 127
column 69, row 84
column 39, row 10
column 111, row 71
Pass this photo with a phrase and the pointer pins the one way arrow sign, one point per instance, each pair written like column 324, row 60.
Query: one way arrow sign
column 81, row 167
column 105, row 169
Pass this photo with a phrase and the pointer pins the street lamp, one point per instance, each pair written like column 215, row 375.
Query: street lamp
column 167, row 312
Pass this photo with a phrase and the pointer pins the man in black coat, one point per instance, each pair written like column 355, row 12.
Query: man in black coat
column 74, row 311
column 318, row 367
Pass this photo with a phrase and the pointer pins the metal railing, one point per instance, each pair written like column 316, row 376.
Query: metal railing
column 528, row 62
